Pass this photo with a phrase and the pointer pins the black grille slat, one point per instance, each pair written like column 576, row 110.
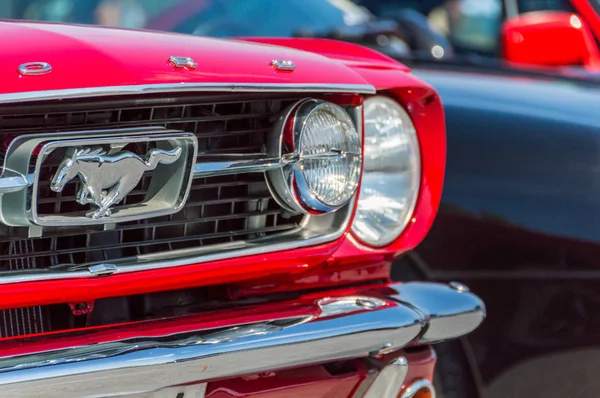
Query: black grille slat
column 219, row 209
column 20, row 321
column 133, row 123
column 90, row 249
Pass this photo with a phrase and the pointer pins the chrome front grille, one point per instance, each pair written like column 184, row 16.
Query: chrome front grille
column 220, row 210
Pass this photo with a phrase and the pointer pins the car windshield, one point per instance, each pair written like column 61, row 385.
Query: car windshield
column 204, row 17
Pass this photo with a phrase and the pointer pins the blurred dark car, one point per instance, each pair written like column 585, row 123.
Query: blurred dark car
column 521, row 201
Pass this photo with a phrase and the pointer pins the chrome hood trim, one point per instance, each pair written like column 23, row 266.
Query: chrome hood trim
column 28, row 96
column 175, row 353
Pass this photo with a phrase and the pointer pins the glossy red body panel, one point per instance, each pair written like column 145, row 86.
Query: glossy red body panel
column 309, row 382
column 291, row 268
column 326, row 276
column 591, row 25
column 421, row 365
column 353, row 54
column 87, row 56
column 276, row 265
column 549, row 39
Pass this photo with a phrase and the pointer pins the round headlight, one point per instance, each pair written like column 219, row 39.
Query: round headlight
column 321, row 152
column 392, row 172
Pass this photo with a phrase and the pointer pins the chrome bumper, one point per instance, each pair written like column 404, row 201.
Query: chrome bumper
column 151, row 356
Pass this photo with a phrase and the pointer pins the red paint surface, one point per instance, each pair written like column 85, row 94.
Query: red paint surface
column 89, row 56
column 549, row 39
column 276, row 265
column 317, row 382
column 591, row 28
column 319, row 278
column 421, row 365
column 308, row 382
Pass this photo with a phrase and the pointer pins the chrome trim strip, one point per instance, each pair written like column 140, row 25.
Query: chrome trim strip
column 11, row 181
column 419, row 386
column 235, row 164
column 158, row 261
column 184, row 87
column 147, row 364
column 450, row 312
column 389, row 381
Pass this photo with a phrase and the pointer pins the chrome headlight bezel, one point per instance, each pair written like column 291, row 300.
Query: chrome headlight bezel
column 370, row 218
column 290, row 184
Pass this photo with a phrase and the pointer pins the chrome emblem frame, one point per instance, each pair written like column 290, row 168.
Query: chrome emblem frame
column 107, row 179
column 108, row 171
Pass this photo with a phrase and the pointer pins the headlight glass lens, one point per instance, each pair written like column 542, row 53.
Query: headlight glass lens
column 392, row 172
column 330, row 155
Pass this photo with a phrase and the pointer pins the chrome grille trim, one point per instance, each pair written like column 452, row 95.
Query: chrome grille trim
column 237, row 164
column 12, row 181
column 88, row 92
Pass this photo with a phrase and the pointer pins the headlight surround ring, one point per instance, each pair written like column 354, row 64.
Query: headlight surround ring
column 322, row 163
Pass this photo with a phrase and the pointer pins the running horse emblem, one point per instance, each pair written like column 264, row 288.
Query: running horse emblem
column 107, row 179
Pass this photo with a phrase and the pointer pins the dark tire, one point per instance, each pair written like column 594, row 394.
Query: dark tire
column 452, row 377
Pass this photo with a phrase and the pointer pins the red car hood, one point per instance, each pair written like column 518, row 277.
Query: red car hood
column 87, row 56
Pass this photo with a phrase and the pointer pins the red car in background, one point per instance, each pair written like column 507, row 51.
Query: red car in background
column 190, row 217
column 538, row 33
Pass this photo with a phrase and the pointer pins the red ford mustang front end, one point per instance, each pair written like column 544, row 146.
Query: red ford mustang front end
column 189, row 217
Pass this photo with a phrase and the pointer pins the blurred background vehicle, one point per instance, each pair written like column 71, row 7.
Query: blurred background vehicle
column 337, row 19
column 542, row 33
column 521, row 197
